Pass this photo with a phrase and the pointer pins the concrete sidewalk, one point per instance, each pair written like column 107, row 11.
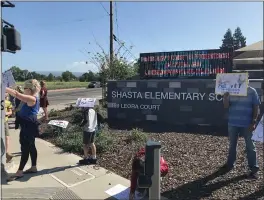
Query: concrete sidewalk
column 59, row 176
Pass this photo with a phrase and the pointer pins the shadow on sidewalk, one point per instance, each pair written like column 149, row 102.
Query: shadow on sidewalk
column 42, row 172
column 199, row 189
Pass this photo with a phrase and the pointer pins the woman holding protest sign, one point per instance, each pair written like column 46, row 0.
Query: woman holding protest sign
column 44, row 98
column 29, row 125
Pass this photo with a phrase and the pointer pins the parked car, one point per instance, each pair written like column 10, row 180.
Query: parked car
column 94, row 84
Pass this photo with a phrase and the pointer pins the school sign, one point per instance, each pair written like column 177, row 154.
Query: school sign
column 170, row 101
column 186, row 64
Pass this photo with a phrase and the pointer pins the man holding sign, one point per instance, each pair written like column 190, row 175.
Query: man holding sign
column 242, row 119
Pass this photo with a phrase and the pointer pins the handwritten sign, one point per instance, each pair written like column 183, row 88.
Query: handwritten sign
column 120, row 192
column 41, row 112
column 8, row 79
column 85, row 102
column 258, row 133
column 234, row 83
column 59, row 123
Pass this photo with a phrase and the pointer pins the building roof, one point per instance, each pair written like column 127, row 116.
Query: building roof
column 252, row 47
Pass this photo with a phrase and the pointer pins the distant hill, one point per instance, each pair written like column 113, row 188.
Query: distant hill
column 58, row 73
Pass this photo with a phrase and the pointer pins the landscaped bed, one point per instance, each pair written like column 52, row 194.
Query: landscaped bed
column 192, row 159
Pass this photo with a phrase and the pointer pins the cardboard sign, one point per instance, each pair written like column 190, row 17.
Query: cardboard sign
column 234, row 83
column 8, row 79
column 41, row 111
column 85, row 102
column 258, row 133
column 59, row 123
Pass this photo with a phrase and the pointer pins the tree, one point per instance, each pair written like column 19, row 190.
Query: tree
column 90, row 76
column 67, row 76
column 82, row 78
column 228, row 40
column 50, row 77
column 35, row 75
column 119, row 69
column 239, row 39
column 58, row 78
column 17, row 73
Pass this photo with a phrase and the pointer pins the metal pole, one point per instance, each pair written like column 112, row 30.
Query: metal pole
column 154, row 190
column 3, row 136
column 111, row 37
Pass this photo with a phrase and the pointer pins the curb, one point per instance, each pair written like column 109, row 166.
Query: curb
column 57, row 90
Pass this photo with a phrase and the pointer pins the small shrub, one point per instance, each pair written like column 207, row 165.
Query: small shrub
column 77, row 116
column 101, row 110
column 70, row 141
column 103, row 140
column 54, row 113
column 137, row 135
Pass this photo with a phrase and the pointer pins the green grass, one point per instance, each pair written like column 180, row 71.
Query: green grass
column 63, row 85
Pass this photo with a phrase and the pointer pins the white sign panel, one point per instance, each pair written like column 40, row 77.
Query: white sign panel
column 8, row 79
column 258, row 133
column 59, row 123
column 121, row 192
column 234, row 83
column 85, row 102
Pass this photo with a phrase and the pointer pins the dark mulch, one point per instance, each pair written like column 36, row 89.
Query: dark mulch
column 194, row 160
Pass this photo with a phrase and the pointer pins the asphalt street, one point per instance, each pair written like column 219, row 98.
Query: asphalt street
column 69, row 96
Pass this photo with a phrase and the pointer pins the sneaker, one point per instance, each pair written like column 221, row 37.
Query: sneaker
column 84, row 162
column 92, row 161
column 253, row 175
column 8, row 157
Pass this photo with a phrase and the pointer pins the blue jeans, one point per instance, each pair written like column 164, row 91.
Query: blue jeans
column 233, row 133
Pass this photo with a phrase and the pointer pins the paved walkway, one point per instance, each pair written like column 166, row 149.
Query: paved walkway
column 59, row 176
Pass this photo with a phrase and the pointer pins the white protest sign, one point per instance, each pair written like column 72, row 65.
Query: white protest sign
column 258, row 133
column 234, row 83
column 85, row 102
column 41, row 111
column 121, row 192
column 59, row 123
column 8, row 79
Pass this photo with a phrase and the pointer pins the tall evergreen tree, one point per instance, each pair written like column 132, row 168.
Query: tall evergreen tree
column 228, row 40
column 239, row 39
column 50, row 77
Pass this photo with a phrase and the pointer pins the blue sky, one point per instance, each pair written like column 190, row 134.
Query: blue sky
column 53, row 33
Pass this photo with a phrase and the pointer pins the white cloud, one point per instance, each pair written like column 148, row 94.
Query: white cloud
column 77, row 63
column 82, row 66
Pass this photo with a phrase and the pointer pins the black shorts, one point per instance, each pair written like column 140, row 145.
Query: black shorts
column 88, row 137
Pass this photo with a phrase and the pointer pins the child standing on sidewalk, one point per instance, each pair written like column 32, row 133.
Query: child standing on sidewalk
column 8, row 113
column 89, row 127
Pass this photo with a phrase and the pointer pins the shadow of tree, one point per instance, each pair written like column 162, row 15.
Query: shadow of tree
column 27, row 177
column 256, row 195
column 198, row 189
column 158, row 127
